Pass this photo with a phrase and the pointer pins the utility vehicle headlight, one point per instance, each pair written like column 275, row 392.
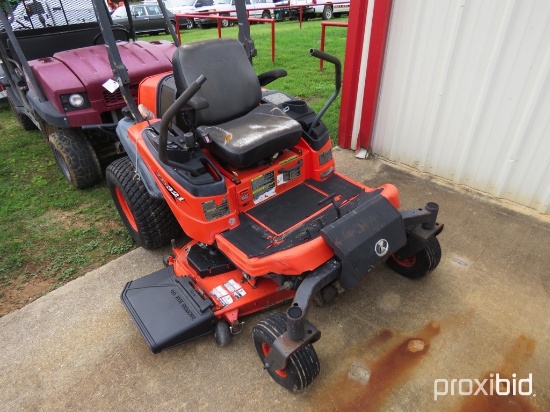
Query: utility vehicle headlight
column 76, row 100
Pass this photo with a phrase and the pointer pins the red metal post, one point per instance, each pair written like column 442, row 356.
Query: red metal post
column 178, row 27
column 377, row 49
column 323, row 25
column 272, row 40
column 352, row 65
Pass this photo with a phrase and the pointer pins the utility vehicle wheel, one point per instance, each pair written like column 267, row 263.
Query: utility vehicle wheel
column 302, row 366
column 421, row 263
column 266, row 14
column 190, row 24
column 150, row 221
column 327, row 13
column 222, row 334
column 24, row 121
column 76, row 158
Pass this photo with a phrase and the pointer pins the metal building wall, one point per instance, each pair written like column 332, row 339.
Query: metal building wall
column 465, row 94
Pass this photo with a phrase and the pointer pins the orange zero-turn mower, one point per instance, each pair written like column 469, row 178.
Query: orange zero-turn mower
column 248, row 174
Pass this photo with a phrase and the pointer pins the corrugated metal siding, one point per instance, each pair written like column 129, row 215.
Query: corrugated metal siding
column 465, row 95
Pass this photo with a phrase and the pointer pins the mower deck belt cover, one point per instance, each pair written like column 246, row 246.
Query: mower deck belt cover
column 167, row 310
column 365, row 237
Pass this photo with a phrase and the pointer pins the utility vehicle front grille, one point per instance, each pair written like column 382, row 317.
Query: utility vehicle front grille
column 115, row 99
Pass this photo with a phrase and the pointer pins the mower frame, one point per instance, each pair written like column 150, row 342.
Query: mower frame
column 350, row 234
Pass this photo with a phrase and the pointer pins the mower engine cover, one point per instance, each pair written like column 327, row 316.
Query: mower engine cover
column 365, row 237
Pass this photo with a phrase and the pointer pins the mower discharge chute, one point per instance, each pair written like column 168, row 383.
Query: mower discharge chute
column 248, row 175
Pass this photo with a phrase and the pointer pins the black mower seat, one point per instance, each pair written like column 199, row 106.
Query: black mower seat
column 234, row 126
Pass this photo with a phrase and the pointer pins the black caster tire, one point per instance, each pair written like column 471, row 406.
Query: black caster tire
column 325, row 296
column 302, row 366
column 420, row 264
column 149, row 221
column 222, row 334
column 76, row 158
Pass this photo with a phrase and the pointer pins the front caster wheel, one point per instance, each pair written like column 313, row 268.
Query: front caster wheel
column 419, row 264
column 325, row 296
column 222, row 334
column 302, row 366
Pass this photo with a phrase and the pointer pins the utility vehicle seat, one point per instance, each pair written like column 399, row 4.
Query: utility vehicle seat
column 234, row 127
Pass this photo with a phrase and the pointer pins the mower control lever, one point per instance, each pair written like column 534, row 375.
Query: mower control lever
column 337, row 82
column 167, row 118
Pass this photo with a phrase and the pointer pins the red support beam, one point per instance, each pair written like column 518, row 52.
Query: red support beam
column 352, row 65
column 354, row 46
column 377, row 51
column 323, row 25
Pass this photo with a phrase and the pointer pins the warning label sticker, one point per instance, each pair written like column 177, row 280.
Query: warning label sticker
column 287, row 176
column 263, row 187
column 236, row 289
column 222, row 295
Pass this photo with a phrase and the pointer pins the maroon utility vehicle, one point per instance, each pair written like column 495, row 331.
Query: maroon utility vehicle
column 59, row 78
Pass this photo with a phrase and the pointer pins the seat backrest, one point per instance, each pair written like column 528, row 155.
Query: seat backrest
column 232, row 88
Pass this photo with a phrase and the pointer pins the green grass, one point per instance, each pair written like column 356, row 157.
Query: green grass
column 51, row 233
column 48, row 230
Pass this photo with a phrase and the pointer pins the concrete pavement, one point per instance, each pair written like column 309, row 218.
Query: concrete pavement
column 390, row 344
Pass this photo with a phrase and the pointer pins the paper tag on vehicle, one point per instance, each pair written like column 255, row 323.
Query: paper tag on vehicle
column 111, row 85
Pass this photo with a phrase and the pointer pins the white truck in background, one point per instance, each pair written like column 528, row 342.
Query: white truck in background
column 327, row 9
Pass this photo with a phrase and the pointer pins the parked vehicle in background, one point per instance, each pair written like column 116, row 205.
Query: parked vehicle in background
column 258, row 9
column 192, row 7
column 327, row 9
column 147, row 18
column 59, row 79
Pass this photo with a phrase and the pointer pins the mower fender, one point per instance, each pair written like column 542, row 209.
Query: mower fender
column 365, row 237
column 144, row 174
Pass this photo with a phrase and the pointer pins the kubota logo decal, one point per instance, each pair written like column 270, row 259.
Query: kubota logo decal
column 381, row 247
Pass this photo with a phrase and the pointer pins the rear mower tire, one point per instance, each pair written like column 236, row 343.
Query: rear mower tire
column 75, row 157
column 149, row 221
column 420, row 264
column 302, row 366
